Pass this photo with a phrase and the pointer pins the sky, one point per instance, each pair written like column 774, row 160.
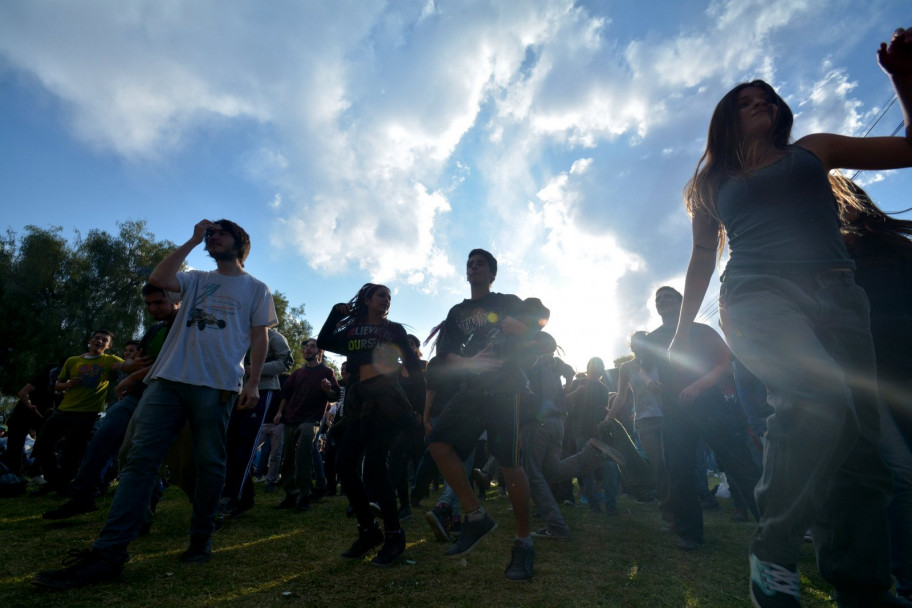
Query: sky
column 367, row 141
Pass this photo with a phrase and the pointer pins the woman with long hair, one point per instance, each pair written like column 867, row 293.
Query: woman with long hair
column 376, row 412
column 793, row 315
column 882, row 250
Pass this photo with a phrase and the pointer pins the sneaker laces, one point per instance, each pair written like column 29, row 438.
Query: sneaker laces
column 777, row 578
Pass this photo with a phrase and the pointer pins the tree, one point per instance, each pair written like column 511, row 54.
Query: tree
column 292, row 325
column 55, row 293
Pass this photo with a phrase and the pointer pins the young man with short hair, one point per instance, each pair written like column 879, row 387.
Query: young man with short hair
column 197, row 377
column 163, row 308
column 84, row 381
column 488, row 400
column 305, row 396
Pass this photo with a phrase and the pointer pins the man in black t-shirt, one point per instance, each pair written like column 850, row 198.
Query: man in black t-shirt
column 477, row 338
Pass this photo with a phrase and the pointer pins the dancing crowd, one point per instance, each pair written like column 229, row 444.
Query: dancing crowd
column 806, row 403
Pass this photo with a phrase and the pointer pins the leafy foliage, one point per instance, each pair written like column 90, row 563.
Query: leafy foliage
column 54, row 292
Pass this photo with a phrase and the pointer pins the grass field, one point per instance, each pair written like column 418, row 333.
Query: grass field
column 276, row 558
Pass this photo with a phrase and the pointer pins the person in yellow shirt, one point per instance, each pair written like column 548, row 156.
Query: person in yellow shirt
column 84, row 381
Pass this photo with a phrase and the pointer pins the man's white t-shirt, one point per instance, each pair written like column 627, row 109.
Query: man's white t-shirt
column 211, row 334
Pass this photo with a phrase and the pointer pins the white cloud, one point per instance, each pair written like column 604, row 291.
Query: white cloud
column 393, row 134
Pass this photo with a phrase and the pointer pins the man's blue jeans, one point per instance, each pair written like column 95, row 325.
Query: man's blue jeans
column 162, row 412
column 103, row 447
column 807, row 337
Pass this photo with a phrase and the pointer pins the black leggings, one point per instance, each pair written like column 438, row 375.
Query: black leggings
column 376, row 413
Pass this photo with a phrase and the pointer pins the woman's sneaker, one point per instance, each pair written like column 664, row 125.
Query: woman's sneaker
column 392, row 549
column 773, row 586
column 367, row 540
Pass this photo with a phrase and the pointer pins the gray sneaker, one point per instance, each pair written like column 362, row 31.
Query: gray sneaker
column 522, row 558
column 472, row 532
column 773, row 586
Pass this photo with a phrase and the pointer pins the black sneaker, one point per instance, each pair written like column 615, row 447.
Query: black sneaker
column 367, row 540
column 439, row 519
column 472, row 532
column 71, row 508
column 773, row 586
column 303, row 504
column 392, row 549
column 522, row 559
column 83, row 567
column 199, row 552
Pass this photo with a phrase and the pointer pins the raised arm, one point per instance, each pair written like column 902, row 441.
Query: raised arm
column 699, row 271
column 165, row 274
column 871, row 153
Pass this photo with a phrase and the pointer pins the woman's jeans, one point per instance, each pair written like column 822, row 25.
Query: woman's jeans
column 807, row 338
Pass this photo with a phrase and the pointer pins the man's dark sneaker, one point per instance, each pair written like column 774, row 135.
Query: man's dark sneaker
column 349, row 511
column 71, row 508
column 550, row 534
column 472, row 532
column 269, row 488
column 439, row 520
column 83, row 567
column 303, row 504
column 773, row 586
column 368, row 538
column 289, row 502
column 404, row 513
column 392, row 549
column 522, row 559
column 199, row 551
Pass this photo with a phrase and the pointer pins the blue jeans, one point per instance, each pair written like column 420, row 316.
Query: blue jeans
column 161, row 414
column 103, row 447
column 807, row 338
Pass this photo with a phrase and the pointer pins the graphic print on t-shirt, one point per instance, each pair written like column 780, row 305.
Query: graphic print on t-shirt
column 212, row 311
column 90, row 374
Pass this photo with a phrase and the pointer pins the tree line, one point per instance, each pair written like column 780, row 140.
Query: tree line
column 54, row 292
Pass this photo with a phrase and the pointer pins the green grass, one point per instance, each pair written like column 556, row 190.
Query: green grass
column 276, row 558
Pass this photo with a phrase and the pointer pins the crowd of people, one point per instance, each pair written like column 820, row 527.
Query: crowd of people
column 805, row 403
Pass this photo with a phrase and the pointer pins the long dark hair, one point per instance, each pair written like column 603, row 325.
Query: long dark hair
column 357, row 306
column 861, row 218
column 728, row 151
